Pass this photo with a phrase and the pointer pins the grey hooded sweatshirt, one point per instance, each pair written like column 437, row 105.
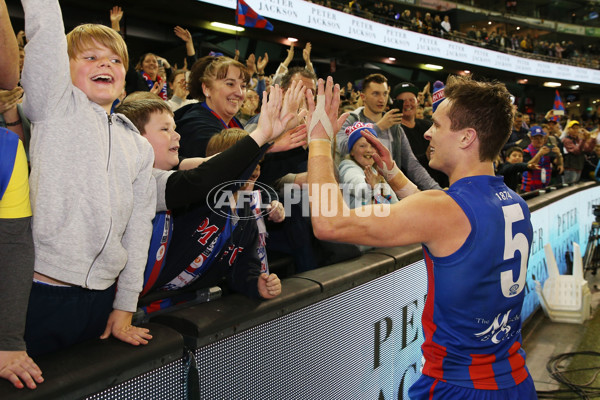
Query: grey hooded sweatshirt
column 92, row 192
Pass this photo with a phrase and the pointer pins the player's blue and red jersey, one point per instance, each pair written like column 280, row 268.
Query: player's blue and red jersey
column 472, row 316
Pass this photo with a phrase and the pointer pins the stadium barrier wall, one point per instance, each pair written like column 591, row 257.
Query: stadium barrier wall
column 348, row 330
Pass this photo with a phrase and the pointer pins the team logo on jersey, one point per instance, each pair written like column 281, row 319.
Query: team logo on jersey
column 514, row 289
column 498, row 330
column 161, row 252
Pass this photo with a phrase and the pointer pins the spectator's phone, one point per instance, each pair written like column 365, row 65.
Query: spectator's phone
column 399, row 104
column 159, row 63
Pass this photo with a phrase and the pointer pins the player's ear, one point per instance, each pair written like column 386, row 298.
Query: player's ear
column 468, row 137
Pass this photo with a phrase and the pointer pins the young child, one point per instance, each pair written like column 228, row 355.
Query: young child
column 357, row 173
column 171, row 250
column 513, row 168
column 92, row 191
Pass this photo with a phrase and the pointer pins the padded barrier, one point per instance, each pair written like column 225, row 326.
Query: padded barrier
column 93, row 366
column 208, row 322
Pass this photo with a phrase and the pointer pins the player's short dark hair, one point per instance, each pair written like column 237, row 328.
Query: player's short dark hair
column 483, row 106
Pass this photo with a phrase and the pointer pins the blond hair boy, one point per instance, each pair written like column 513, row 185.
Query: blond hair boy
column 92, row 190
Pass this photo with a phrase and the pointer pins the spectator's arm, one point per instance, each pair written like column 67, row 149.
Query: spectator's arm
column 9, row 49
column 136, row 237
column 186, row 36
column 306, row 57
column 288, row 59
column 192, row 186
column 14, row 122
column 116, row 14
column 342, row 138
column 16, row 272
column 244, row 268
column 45, row 77
column 570, row 146
column 251, row 64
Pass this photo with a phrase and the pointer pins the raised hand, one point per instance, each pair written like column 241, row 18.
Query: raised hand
column 290, row 56
column 306, row 56
column 290, row 139
column 322, row 119
column 371, row 177
column 383, row 158
column 292, row 100
column 182, row 34
column 251, row 64
column 270, row 123
column 116, row 14
column 262, row 63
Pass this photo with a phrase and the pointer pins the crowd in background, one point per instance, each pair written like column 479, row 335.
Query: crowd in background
column 438, row 24
column 217, row 103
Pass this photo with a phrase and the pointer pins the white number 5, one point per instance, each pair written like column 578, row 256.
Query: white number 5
column 512, row 214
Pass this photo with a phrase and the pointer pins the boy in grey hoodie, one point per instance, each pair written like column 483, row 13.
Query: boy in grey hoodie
column 92, row 191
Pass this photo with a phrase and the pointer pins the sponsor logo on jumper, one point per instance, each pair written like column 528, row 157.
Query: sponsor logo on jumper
column 499, row 329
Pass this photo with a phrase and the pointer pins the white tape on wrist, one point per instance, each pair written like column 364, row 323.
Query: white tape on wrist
column 320, row 115
column 407, row 190
column 389, row 174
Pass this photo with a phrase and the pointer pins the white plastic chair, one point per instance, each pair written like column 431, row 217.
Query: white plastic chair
column 564, row 298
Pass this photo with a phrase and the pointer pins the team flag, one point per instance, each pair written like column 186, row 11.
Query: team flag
column 559, row 108
column 246, row 16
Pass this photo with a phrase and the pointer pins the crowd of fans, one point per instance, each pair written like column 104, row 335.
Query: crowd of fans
column 208, row 123
column 524, row 45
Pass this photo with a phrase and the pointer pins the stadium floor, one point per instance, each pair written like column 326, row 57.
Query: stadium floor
column 543, row 340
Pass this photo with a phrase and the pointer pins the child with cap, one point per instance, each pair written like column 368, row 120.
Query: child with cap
column 538, row 153
column 361, row 183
